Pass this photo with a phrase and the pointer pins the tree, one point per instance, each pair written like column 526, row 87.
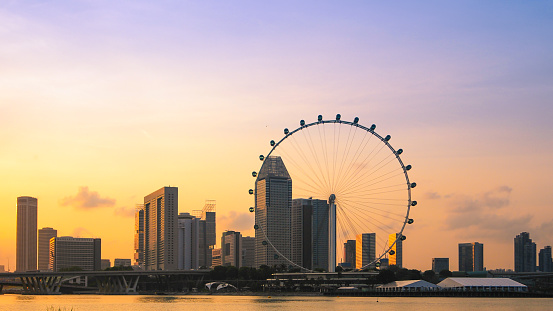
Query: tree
column 430, row 276
column 446, row 273
column 231, row 273
column 385, row 276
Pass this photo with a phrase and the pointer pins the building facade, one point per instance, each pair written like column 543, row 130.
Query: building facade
column 188, row 242
column 365, row 250
column 309, row 233
column 26, row 238
column 248, row 251
column 160, row 229
column 104, row 264
column 525, row 253
column 69, row 252
column 121, row 262
column 440, row 264
column 546, row 264
column 397, row 248
column 471, row 257
column 139, row 235
column 231, row 249
column 44, row 236
column 207, row 233
column 217, row 260
column 349, row 254
column 273, row 205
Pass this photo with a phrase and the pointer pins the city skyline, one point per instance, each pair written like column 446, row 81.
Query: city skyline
column 91, row 92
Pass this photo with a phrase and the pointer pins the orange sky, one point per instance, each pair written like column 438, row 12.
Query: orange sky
column 109, row 102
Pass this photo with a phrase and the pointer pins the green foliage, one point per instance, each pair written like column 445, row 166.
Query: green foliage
column 446, row 273
column 385, row 276
column 406, row 274
column 430, row 276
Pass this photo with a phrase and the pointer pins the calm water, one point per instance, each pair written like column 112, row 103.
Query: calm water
column 213, row 303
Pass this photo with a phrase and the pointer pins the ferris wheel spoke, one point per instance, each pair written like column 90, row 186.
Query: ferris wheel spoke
column 299, row 167
column 356, row 156
column 360, row 214
column 312, row 148
column 369, row 183
column 325, row 152
column 345, row 154
column 302, row 155
column 365, row 163
column 363, row 207
column 366, row 174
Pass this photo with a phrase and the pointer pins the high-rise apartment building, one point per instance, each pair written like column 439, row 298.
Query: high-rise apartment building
column 471, row 257
column 104, row 264
column 310, row 233
column 397, row 248
column 69, row 252
column 546, row 264
column 160, row 229
column 273, row 205
column 139, row 235
column 365, row 250
column 248, row 251
column 121, row 262
column 44, row 236
column 188, row 242
column 349, row 254
column 26, row 239
column 231, row 249
column 440, row 264
column 525, row 253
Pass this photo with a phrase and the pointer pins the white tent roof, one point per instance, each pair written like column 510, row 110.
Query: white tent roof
column 485, row 282
column 409, row 283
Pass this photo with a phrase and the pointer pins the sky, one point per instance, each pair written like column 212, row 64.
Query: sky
column 102, row 103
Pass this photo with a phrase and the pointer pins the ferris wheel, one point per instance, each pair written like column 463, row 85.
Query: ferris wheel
column 331, row 182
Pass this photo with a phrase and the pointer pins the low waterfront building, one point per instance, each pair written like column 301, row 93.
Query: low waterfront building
column 483, row 285
column 408, row 286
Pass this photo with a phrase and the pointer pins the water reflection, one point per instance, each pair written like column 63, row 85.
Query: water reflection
column 25, row 297
column 168, row 299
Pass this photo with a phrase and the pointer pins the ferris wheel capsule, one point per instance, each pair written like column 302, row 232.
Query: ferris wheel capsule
column 408, row 167
column 250, row 191
column 399, row 151
column 264, row 243
column 256, row 227
column 320, row 118
column 356, row 120
column 251, row 209
column 387, row 138
column 254, row 174
column 373, row 127
column 286, row 131
column 414, row 203
column 410, row 221
column 302, row 122
column 392, row 252
column 413, row 185
column 403, row 238
column 261, row 157
column 272, row 143
column 338, row 116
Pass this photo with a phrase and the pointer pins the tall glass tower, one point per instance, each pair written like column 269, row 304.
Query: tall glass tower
column 26, row 240
column 525, row 253
column 273, row 202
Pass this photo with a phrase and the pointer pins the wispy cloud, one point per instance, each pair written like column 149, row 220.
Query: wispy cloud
column 236, row 221
column 86, row 199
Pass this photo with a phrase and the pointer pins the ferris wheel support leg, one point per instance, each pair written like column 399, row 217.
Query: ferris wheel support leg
column 332, row 237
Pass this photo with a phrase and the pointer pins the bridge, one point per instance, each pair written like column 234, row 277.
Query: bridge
column 108, row 282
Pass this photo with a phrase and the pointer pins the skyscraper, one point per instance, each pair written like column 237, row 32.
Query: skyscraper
column 525, row 253
column 160, row 229
column 310, row 233
column 440, row 264
column 69, row 252
column 546, row 264
column 139, row 235
column 273, row 202
column 397, row 257
column 349, row 253
column 248, row 251
column 188, row 242
column 365, row 250
column 231, row 249
column 471, row 257
column 208, row 236
column 26, row 239
column 44, row 236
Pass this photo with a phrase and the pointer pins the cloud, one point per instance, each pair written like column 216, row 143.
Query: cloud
column 432, row 196
column 124, row 211
column 86, row 199
column 236, row 221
